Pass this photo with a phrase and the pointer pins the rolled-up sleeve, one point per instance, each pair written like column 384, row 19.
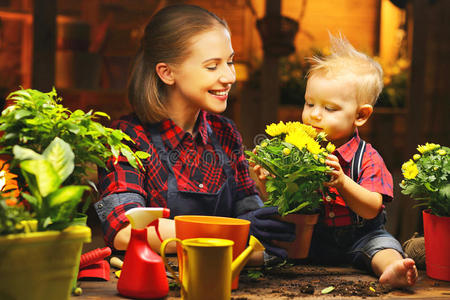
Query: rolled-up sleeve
column 247, row 204
column 111, row 212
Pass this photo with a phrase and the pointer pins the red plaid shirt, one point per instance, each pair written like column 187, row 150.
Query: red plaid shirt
column 373, row 176
column 195, row 165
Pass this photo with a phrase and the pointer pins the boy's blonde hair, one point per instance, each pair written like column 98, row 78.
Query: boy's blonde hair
column 346, row 62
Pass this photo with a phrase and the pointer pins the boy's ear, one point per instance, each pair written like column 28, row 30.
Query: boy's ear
column 165, row 73
column 363, row 114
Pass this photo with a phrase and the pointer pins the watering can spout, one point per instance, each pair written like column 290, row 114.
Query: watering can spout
column 238, row 264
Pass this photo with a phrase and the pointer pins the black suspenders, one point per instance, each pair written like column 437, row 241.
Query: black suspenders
column 356, row 164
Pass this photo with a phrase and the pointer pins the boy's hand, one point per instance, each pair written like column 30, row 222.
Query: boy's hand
column 260, row 172
column 337, row 175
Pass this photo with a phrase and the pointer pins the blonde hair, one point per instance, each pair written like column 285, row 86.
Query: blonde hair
column 167, row 38
column 346, row 62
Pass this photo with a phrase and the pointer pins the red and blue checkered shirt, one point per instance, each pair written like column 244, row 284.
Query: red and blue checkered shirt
column 191, row 162
column 374, row 176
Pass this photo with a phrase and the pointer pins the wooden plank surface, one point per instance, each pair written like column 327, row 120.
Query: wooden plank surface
column 298, row 282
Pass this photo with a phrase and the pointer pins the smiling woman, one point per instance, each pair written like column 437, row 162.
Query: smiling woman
column 179, row 84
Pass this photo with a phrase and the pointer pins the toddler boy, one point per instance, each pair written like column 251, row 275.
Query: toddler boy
column 341, row 91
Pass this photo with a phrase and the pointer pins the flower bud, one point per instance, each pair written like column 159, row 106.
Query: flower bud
column 330, row 147
column 416, row 157
column 286, row 151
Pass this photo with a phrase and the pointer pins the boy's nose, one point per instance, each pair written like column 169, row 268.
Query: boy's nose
column 316, row 113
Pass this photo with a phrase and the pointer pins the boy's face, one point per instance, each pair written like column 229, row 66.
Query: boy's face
column 331, row 106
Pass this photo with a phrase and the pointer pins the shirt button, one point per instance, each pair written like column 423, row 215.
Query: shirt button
column 200, row 185
column 328, row 198
column 100, row 205
column 331, row 214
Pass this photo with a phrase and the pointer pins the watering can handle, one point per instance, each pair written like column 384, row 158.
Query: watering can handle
column 163, row 256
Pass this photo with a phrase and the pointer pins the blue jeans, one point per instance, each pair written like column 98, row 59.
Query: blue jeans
column 351, row 244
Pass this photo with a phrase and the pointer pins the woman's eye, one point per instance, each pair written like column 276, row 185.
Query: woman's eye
column 212, row 68
column 230, row 63
column 330, row 108
column 309, row 104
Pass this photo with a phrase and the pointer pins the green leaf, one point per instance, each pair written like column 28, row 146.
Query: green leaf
column 142, row 154
column 129, row 155
column 327, row 290
column 22, row 93
column 19, row 114
column 33, row 201
column 67, row 194
column 47, row 179
column 102, row 114
column 445, row 191
column 21, row 153
column 61, row 156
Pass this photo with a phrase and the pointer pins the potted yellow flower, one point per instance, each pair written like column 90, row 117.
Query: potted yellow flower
column 426, row 179
column 296, row 160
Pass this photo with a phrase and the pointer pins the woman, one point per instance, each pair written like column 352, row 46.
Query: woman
column 179, row 84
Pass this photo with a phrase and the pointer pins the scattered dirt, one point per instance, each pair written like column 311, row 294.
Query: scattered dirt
column 299, row 280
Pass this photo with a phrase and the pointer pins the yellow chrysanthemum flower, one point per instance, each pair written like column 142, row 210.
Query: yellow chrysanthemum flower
column 427, row 147
column 309, row 130
column 441, row 152
column 313, row 147
column 416, row 157
column 330, row 148
column 276, row 129
column 407, row 164
column 298, row 138
column 292, row 126
column 411, row 171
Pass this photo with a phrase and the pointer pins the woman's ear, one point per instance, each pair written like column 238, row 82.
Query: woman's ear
column 363, row 114
column 165, row 73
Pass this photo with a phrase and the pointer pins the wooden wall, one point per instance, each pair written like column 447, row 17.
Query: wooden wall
column 116, row 25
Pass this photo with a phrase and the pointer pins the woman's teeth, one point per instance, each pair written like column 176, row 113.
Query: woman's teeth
column 219, row 93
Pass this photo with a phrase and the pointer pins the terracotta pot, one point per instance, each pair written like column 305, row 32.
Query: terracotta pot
column 304, row 227
column 437, row 245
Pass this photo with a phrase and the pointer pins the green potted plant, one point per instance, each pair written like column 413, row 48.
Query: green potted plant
column 426, row 179
column 49, row 150
column 296, row 161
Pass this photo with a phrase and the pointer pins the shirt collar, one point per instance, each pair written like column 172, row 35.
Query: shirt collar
column 348, row 150
column 202, row 127
column 172, row 135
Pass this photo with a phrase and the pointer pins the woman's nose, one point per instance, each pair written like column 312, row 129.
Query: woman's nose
column 228, row 75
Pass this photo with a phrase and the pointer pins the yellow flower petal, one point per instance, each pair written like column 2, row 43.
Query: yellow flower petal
column 411, row 171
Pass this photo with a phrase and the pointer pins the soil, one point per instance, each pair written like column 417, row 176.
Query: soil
column 299, row 280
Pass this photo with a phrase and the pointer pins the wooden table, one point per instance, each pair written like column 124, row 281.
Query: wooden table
column 298, row 282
